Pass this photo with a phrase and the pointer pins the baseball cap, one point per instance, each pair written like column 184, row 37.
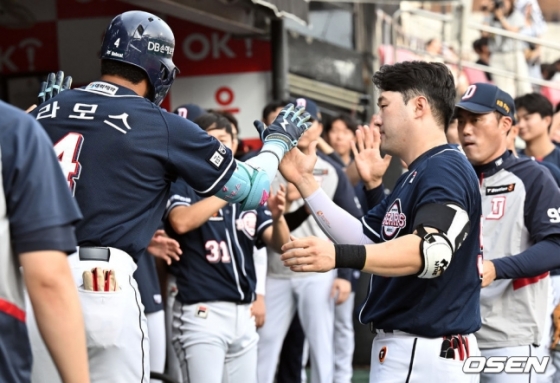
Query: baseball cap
column 190, row 111
column 310, row 107
column 481, row 98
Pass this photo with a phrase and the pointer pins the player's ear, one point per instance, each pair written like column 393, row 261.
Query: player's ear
column 421, row 106
column 504, row 124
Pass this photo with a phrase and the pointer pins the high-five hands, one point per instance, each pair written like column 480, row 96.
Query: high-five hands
column 371, row 165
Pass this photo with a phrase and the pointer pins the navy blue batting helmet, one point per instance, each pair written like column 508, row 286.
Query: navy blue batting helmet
column 145, row 41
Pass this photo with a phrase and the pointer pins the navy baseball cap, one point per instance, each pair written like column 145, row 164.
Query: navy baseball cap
column 190, row 111
column 310, row 107
column 482, row 98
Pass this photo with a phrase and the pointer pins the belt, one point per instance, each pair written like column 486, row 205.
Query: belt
column 94, row 254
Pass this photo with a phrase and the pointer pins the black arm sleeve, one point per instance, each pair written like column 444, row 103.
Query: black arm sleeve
column 374, row 196
column 296, row 218
column 543, row 256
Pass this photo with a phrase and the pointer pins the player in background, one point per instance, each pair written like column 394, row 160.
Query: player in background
column 119, row 152
column 37, row 217
column 534, row 114
column 312, row 295
column 520, row 231
column 216, row 276
column 422, row 303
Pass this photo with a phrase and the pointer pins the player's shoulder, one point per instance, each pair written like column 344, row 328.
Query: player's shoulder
column 175, row 121
column 18, row 124
column 448, row 160
column 528, row 170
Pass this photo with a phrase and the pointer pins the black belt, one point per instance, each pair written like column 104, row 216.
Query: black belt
column 94, row 254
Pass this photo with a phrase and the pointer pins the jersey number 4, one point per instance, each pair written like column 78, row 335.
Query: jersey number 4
column 217, row 252
column 68, row 151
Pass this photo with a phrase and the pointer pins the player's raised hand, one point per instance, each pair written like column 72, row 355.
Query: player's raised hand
column 277, row 203
column 286, row 129
column 296, row 165
column 161, row 246
column 55, row 84
column 371, row 165
column 308, row 254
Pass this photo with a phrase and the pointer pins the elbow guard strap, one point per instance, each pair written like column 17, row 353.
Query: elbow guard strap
column 247, row 185
column 436, row 252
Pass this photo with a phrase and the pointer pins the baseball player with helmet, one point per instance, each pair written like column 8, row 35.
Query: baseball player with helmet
column 420, row 244
column 119, row 153
column 37, row 217
column 520, row 232
column 216, row 277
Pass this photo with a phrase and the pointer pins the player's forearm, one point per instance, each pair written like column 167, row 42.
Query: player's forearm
column 56, row 305
column 395, row 258
column 339, row 225
column 187, row 218
column 280, row 234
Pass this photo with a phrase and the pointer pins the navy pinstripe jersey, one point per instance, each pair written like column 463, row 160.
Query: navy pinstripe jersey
column 120, row 152
column 450, row 303
column 217, row 261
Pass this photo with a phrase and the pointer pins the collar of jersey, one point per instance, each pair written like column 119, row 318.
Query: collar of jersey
column 428, row 154
column 121, row 90
column 493, row 166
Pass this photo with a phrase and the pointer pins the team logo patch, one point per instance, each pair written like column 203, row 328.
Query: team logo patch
column 321, row 215
column 157, row 299
column 216, row 159
column 382, row 354
column 394, row 220
column 493, row 190
column 202, row 312
column 247, row 223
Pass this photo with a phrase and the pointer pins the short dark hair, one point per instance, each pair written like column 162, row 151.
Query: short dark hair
column 535, row 103
column 414, row 78
column 214, row 121
column 479, row 43
column 557, row 109
column 129, row 72
column 230, row 117
column 272, row 106
column 350, row 123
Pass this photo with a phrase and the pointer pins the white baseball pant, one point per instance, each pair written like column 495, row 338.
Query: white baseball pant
column 173, row 364
column 215, row 342
column 503, row 377
column 344, row 340
column 116, row 327
column 156, row 330
column 311, row 296
column 400, row 357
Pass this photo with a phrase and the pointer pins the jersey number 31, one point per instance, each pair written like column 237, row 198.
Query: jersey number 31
column 68, row 150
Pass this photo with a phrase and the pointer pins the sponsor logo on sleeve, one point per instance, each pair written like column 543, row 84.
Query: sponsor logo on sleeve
column 216, row 159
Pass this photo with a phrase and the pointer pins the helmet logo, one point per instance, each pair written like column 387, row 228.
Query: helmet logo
column 117, row 43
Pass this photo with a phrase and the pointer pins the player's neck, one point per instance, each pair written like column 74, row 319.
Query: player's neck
column 417, row 146
column 140, row 89
column 540, row 147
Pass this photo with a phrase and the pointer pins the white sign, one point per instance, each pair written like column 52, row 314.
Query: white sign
column 242, row 94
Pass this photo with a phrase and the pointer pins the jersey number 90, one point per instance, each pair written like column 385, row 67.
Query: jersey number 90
column 68, row 150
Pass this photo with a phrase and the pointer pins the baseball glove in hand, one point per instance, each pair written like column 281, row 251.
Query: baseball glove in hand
column 99, row 279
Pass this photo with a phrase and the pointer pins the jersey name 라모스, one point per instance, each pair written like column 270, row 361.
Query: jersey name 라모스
column 217, row 261
column 119, row 152
column 448, row 304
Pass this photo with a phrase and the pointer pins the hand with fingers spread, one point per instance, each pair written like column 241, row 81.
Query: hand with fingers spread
column 308, row 254
column 286, row 129
column 53, row 86
column 341, row 290
column 367, row 155
column 161, row 246
column 277, row 203
column 296, row 166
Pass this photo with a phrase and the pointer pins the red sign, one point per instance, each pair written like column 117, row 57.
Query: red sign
column 71, row 9
column 29, row 50
column 204, row 51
